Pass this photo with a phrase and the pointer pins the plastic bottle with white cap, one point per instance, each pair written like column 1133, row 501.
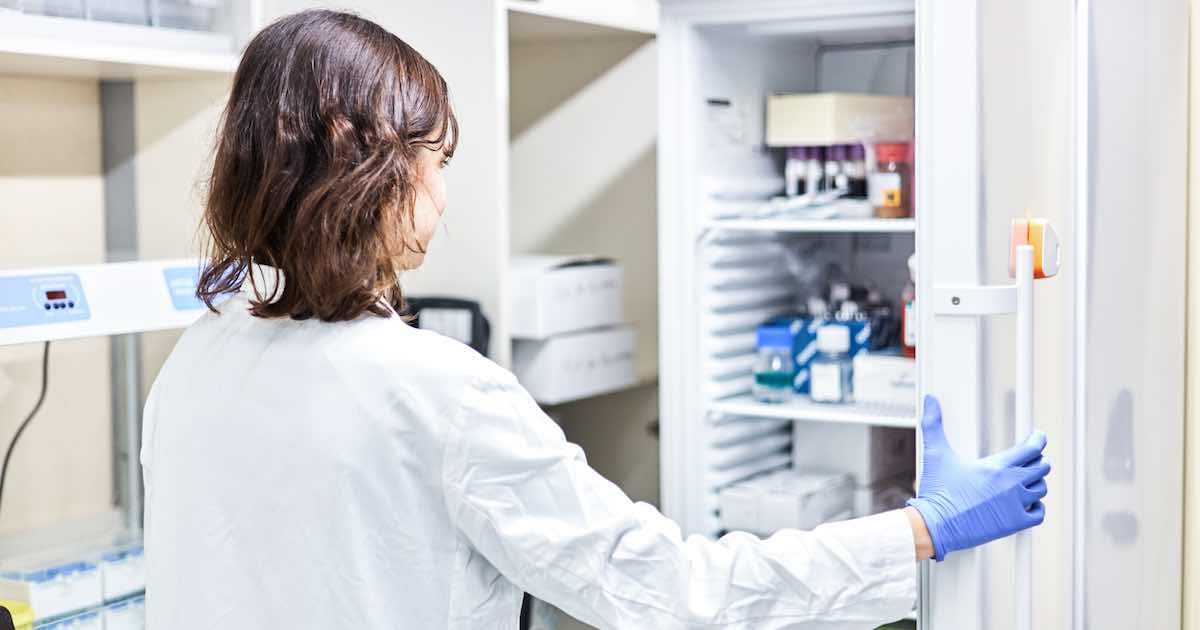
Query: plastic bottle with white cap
column 832, row 371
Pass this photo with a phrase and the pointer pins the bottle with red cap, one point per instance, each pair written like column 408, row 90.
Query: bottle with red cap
column 890, row 186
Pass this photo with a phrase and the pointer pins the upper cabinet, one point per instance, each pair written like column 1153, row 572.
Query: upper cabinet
column 124, row 39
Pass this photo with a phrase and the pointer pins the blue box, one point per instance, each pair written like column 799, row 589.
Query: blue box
column 803, row 331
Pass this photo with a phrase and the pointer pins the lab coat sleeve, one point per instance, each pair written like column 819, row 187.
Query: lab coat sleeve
column 525, row 499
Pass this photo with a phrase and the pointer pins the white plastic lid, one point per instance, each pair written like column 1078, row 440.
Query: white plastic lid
column 833, row 339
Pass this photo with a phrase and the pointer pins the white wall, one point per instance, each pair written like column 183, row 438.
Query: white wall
column 465, row 40
column 584, row 125
column 52, row 212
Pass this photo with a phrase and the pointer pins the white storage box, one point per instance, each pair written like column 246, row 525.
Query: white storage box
column 888, row 380
column 576, row 365
column 558, row 294
column 786, row 499
column 122, row 571
column 127, row 614
column 52, row 587
column 870, row 454
column 826, row 118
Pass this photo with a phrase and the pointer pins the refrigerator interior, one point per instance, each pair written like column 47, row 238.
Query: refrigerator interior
column 746, row 275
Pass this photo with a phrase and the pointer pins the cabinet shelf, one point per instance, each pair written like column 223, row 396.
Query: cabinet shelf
column 531, row 20
column 36, row 45
column 803, row 410
column 826, row 226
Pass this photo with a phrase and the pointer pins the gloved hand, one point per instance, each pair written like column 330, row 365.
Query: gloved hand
column 968, row 502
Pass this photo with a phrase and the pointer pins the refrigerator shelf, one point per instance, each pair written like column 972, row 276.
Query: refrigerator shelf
column 823, row 226
column 802, row 410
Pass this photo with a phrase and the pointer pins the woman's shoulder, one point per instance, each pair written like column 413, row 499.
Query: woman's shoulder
column 391, row 344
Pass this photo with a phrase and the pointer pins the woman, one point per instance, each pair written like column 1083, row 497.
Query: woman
column 311, row 461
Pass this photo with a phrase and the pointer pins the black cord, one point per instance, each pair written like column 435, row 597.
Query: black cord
column 21, row 429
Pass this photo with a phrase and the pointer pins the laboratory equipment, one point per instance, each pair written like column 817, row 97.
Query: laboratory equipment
column 834, row 156
column 795, row 171
column 890, row 185
column 53, row 303
column 908, row 306
column 814, row 172
column 983, row 155
column 832, row 369
column 854, row 172
column 454, row 317
column 774, row 368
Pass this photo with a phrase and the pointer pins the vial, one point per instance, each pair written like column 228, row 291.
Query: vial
column 774, row 369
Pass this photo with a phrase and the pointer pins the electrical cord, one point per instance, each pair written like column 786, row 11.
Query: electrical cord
column 25, row 423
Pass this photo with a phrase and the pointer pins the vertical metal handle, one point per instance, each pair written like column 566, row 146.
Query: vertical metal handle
column 1023, row 542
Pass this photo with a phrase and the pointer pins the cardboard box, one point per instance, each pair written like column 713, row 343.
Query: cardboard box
column 883, row 379
column 803, row 331
column 552, row 295
column 822, row 119
column 869, row 454
column 576, row 365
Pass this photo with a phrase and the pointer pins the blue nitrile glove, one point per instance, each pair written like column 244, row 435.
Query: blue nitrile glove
column 968, row 502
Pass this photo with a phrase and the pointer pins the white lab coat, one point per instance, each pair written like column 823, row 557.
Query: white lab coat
column 302, row 474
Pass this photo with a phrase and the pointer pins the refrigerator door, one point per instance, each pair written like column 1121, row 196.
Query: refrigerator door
column 1072, row 110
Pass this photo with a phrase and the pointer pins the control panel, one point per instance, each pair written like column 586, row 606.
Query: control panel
column 31, row 300
column 106, row 299
column 181, row 286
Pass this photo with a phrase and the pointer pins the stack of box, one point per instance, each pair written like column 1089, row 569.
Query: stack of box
column 80, row 587
column 881, row 460
column 569, row 340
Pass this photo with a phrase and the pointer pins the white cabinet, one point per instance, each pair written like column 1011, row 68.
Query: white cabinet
column 169, row 39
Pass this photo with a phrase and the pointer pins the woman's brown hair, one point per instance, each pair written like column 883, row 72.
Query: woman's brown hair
column 316, row 166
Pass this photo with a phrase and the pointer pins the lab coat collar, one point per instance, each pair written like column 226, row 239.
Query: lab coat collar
column 263, row 282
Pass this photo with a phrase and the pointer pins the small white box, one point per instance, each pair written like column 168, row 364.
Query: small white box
column 556, row 294
column 122, row 571
column 127, row 614
column 576, row 365
column 826, row 118
column 786, row 499
column 87, row 620
column 870, row 454
column 52, row 588
column 885, row 380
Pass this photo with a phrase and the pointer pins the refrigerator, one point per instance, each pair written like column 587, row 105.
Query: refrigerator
column 1070, row 110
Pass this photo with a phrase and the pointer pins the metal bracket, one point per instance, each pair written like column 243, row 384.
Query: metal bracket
column 974, row 300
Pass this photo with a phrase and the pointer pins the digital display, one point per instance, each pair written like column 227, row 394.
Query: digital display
column 56, row 295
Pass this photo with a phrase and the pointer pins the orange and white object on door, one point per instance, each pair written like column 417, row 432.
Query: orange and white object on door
column 1047, row 251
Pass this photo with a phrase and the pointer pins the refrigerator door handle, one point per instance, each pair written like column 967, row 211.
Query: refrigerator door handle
column 1032, row 240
